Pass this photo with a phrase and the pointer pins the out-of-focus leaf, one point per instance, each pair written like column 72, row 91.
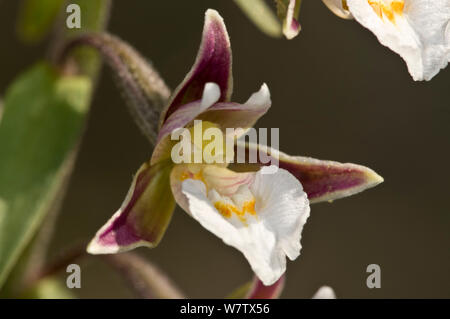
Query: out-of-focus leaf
column 49, row 288
column 1, row 107
column 42, row 119
column 36, row 18
column 94, row 15
column 262, row 16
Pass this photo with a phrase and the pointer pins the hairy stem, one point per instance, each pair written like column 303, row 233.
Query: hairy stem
column 142, row 87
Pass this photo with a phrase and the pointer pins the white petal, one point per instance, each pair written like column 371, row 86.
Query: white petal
column 325, row 292
column 419, row 32
column 240, row 117
column 211, row 94
column 260, row 99
column 266, row 238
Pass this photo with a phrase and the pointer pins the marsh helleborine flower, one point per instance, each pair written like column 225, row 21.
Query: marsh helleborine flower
column 418, row 30
column 262, row 215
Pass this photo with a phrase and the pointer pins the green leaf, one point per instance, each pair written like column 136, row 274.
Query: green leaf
column 36, row 18
column 42, row 120
column 262, row 16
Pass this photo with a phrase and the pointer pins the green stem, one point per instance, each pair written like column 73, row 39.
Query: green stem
column 143, row 89
column 60, row 263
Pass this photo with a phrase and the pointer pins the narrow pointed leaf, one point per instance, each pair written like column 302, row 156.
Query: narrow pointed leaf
column 42, row 118
column 321, row 180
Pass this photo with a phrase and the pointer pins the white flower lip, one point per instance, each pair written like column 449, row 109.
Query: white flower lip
column 417, row 30
column 265, row 236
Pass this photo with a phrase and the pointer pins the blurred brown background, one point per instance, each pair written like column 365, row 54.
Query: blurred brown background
column 337, row 94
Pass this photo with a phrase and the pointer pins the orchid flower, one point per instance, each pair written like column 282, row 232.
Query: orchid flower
column 417, row 30
column 261, row 215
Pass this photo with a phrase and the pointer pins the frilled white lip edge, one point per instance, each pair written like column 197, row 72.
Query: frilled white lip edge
column 265, row 238
column 418, row 30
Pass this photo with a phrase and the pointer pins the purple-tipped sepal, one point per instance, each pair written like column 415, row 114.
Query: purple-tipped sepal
column 144, row 215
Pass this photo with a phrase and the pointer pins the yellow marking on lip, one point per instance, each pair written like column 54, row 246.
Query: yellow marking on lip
column 186, row 175
column 227, row 210
column 345, row 5
column 398, row 6
column 196, row 176
column 389, row 11
column 376, row 6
